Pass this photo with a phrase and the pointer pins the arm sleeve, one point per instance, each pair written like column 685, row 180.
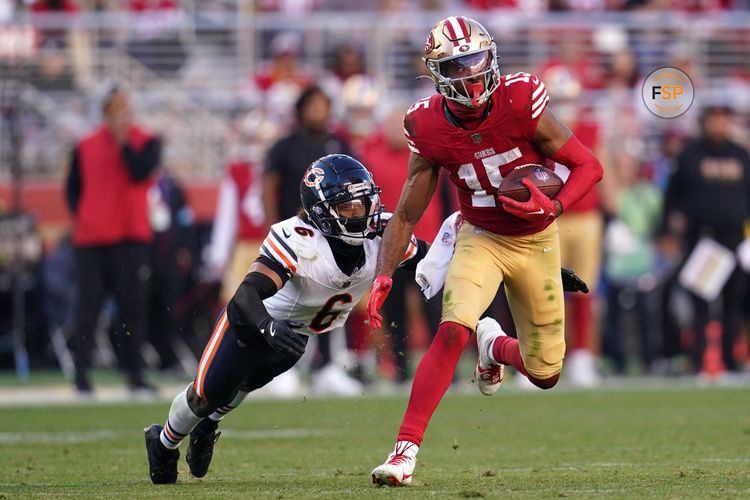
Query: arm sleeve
column 279, row 269
column 141, row 164
column 246, row 307
column 73, row 183
column 410, row 264
column 585, row 171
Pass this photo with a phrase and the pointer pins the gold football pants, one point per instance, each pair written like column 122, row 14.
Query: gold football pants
column 529, row 267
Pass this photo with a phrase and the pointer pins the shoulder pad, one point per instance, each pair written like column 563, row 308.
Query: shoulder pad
column 286, row 240
column 526, row 93
column 418, row 123
column 419, row 114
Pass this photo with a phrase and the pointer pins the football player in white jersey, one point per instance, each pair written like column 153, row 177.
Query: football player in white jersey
column 312, row 270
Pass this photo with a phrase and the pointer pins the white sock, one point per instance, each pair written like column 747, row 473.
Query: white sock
column 406, row 448
column 219, row 413
column 489, row 352
column 180, row 422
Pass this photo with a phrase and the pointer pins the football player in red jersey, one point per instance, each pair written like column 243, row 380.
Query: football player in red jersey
column 479, row 127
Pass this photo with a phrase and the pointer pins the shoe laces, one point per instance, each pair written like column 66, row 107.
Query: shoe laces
column 399, row 459
column 492, row 374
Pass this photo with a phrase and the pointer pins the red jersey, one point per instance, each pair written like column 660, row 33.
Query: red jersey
column 477, row 160
column 248, row 204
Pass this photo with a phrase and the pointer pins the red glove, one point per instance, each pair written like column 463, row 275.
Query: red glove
column 379, row 292
column 539, row 207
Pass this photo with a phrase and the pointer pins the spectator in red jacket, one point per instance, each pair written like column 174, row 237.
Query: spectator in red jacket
column 106, row 190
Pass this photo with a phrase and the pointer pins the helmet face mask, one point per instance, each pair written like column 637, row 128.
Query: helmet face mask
column 340, row 198
column 360, row 216
column 461, row 58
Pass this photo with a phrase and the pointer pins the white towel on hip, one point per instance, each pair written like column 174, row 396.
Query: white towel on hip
column 431, row 271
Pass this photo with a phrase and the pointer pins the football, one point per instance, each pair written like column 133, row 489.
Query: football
column 545, row 179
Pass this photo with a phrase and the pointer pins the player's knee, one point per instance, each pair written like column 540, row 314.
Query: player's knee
column 543, row 373
column 197, row 404
column 546, row 383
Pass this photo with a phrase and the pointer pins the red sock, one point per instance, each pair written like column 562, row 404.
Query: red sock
column 505, row 350
column 434, row 375
column 581, row 320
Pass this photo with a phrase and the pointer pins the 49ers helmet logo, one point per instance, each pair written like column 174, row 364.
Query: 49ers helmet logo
column 430, row 44
column 313, row 176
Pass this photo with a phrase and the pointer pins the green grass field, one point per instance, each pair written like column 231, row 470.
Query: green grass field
column 671, row 443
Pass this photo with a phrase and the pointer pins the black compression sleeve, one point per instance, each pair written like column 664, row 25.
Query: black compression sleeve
column 275, row 266
column 246, row 306
column 411, row 264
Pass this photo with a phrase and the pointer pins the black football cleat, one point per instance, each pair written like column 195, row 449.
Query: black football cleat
column 162, row 462
column 201, row 446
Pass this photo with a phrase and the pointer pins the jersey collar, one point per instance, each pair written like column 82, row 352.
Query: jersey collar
column 453, row 120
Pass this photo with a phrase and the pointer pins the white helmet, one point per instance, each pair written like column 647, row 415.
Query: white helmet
column 457, row 53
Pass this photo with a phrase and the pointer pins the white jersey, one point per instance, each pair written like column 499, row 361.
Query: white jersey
column 318, row 294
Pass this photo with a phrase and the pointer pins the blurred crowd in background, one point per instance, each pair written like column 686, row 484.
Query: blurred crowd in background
column 244, row 95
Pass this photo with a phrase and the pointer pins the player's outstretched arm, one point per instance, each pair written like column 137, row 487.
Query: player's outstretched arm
column 246, row 308
column 421, row 181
